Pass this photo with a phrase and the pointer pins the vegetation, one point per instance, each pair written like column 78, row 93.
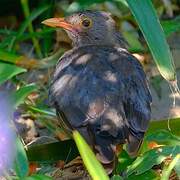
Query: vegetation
column 28, row 54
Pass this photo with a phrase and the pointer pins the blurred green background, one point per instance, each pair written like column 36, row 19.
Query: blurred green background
column 29, row 52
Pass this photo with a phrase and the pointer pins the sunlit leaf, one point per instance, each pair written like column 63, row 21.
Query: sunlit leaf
column 163, row 137
column 7, row 71
column 152, row 157
column 147, row 19
column 93, row 166
column 159, row 134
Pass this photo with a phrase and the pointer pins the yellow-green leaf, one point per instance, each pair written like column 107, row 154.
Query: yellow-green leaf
column 93, row 166
column 150, row 26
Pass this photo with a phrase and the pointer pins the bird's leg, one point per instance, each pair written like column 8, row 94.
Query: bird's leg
column 133, row 145
column 118, row 149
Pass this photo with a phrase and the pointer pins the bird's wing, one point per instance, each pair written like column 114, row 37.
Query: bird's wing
column 136, row 98
column 103, row 93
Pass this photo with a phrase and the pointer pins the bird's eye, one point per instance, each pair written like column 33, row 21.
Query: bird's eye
column 86, row 23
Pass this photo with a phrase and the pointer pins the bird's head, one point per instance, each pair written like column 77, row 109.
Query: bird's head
column 89, row 28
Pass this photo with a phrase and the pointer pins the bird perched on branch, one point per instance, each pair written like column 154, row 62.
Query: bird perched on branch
column 99, row 88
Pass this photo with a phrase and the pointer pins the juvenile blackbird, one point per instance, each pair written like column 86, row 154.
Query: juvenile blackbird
column 99, row 88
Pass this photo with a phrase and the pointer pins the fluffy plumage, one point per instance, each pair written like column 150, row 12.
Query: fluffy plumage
column 101, row 90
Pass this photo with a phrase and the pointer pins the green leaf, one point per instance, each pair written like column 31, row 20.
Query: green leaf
column 26, row 11
column 148, row 175
column 38, row 177
column 151, row 158
column 7, row 32
column 6, row 41
column 21, row 162
column 93, row 166
column 39, row 34
column 51, row 152
column 88, row 3
column 19, row 95
column 147, row 19
column 9, row 57
column 123, row 162
column 162, row 136
column 123, row 2
column 166, row 124
column 116, row 177
column 171, row 26
column 26, row 35
column 7, row 71
column 38, row 11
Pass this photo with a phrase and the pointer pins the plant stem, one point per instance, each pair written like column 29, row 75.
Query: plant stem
column 35, row 41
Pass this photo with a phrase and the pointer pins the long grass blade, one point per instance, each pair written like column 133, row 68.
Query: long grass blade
column 150, row 26
column 35, row 41
column 34, row 14
column 94, row 168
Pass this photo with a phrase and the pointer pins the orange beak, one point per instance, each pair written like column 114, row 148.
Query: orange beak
column 58, row 22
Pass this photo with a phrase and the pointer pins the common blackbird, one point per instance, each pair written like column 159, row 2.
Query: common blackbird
column 99, row 88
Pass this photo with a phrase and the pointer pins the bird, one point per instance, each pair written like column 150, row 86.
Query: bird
column 99, row 88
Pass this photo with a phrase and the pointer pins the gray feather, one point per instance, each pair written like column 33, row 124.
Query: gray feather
column 104, row 90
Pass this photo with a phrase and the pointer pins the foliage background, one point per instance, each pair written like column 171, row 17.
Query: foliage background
column 28, row 54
